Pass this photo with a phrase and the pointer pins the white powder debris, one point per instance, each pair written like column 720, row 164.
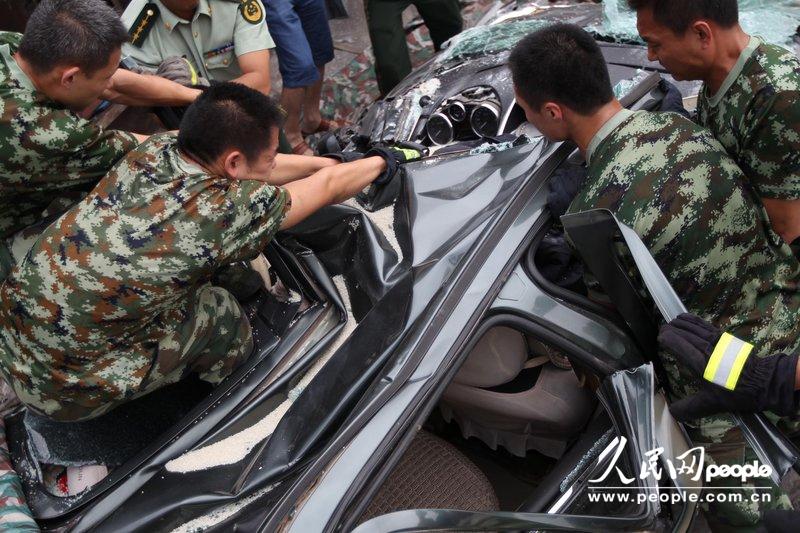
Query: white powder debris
column 233, row 449
column 294, row 297
column 221, row 514
column 428, row 87
column 383, row 219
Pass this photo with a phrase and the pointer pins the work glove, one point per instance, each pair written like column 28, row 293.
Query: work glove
column 344, row 157
column 779, row 521
column 180, row 70
column 732, row 379
column 394, row 157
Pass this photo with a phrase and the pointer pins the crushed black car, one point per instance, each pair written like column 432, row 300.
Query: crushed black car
column 421, row 343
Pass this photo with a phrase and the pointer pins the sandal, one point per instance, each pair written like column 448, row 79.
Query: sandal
column 301, row 148
column 324, row 125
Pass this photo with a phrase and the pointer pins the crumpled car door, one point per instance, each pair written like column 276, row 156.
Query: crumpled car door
column 604, row 244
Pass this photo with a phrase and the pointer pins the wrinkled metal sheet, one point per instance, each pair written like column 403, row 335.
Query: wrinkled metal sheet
column 771, row 446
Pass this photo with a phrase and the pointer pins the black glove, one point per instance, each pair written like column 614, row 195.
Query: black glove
column 779, row 521
column 393, row 157
column 180, row 70
column 344, row 157
column 673, row 99
column 764, row 384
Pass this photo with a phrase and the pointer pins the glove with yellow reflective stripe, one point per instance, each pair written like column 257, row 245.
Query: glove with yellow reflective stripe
column 732, row 378
column 180, row 70
column 393, row 157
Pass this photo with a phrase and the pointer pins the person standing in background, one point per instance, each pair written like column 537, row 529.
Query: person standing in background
column 304, row 46
column 385, row 22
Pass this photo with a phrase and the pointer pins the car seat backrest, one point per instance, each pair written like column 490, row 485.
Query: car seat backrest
column 498, row 358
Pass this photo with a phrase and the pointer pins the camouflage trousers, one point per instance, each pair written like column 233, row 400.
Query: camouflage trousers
column 213, row 342
column 725, row 445
column 14, row 512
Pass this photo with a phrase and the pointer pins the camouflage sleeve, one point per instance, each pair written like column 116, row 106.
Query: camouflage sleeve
column 77, row 150
column 770, row 154
column 258, row 209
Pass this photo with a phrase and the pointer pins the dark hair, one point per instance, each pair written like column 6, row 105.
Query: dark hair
column 225, row 116
column 678, row 15
column 83, row 33
column 561, row 63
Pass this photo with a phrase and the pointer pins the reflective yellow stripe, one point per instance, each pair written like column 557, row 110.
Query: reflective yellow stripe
column 409, row 153
column 727, row 361
column 738, row 365
column 716, row 357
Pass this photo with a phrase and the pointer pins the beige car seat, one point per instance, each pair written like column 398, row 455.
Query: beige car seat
column 545, row 410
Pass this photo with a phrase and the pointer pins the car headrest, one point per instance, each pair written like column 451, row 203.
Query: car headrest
column 498, row 358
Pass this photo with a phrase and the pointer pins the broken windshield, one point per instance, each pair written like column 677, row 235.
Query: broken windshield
column 483, row 40
column 775, row 20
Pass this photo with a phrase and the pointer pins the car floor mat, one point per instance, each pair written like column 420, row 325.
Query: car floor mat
column 115, row 437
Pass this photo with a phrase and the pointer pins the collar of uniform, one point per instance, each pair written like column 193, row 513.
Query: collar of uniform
column 744, row 57
column 16, row 72
column 171, row 20
column 610, row 125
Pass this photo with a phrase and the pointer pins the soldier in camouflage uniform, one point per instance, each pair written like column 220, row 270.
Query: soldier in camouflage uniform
column 49, row 155
column 673, row 183
column 114, row 299
column 46, row 150
column 750, row 99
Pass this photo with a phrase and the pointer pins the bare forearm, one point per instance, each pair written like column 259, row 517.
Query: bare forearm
column 349, row 179
column 255, row 80
column 289, row 168
column 330, row 186
column 134, row 89
column 784, row 216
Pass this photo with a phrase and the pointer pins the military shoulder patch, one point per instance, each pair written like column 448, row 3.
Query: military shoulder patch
column 143, row 24
column 251, row 11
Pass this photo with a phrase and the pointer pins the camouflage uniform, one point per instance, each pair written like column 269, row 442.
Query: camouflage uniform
column 672, row 182
column 113, row 300
column 756, row 117
column 47, row 152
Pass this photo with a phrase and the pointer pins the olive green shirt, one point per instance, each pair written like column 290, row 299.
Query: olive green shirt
column 756, row 116
column 212, row 41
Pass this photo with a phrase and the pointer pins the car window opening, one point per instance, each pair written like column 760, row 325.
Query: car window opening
column 516, row 423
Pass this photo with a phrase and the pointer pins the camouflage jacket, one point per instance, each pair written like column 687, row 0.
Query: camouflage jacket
column 673, row 183
column 756, row 117
column 46, row 150
column 119, row 271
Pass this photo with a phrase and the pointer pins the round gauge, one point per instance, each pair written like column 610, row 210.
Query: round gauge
column 457, row 111
column 485, row 119
column 440, row 129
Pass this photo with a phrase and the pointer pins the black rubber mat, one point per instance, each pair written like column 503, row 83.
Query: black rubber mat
column 115, row 437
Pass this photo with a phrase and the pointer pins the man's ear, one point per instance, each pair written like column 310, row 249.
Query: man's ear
column 233, row 163
column 553, row 111
column 703, row 32
column 68, row 76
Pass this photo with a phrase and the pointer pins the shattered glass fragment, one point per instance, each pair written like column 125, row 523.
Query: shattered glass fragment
column 492, row 39
column 775, row 20
column 626, row 86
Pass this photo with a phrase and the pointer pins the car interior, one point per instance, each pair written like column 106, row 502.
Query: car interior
column 273, row 294
column 505, row 433
column 519, row 413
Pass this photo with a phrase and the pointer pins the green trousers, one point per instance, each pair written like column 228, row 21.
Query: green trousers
column 385, row 22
